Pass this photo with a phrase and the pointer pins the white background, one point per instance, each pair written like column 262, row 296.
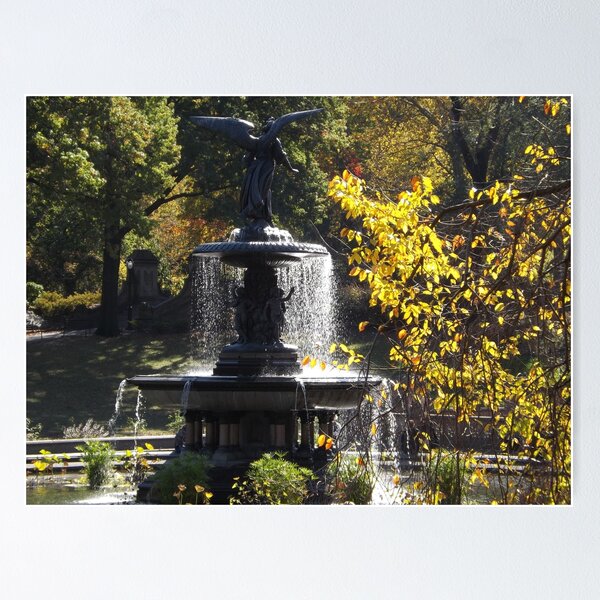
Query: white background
column 274, row 47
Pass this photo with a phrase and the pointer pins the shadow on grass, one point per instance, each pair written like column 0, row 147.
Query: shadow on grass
column 73, row 378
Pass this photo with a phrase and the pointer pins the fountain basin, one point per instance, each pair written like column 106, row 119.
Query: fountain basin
column 260, row 253
column 259, row 393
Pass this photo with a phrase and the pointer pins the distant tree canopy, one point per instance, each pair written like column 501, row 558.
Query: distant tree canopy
column 108, row 174
column 103, row 169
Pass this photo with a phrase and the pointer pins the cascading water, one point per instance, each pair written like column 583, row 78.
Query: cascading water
column 139, row 403
column 310, row 318
column 185, row 395
column 117, row 410
column 211, row 315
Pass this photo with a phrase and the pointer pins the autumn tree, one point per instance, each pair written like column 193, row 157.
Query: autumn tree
column 474, row 302
column 106, row 160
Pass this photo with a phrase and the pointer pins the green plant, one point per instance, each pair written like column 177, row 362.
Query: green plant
column 272, row 480
column 98, row 458
column 33, row 290
column 48, row 460
column 188, row 470
column 350, row 480
column 33, row 431
column 446, row 477
column 136, row 463
column 138, row 425
column 175, row 421
column 89, row 429
column 53, row 304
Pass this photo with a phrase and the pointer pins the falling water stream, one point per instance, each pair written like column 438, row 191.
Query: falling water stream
column 117, row 410
column 310, row 315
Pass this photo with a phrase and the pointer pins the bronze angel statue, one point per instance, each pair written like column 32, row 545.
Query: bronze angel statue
column 263, row 154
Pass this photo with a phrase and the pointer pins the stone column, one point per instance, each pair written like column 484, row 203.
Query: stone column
column 198, row 432
column 211, row 433
column 189, row 431
column 307, row 435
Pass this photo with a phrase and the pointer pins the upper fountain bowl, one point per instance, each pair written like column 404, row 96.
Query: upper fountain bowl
column 260, row 244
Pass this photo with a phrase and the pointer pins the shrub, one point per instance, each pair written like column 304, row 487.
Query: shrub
column 175, row 421
column 350, row 480
column 33, row 290
column 33, row 431
column 272, row 480
column 188, row 471
column 89, row 429
column 446, row 477
column 53, row 304
column 98, row 458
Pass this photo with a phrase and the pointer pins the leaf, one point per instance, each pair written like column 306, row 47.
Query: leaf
column 396, row 479
column 373, row 429
column 198, row 488
column 332, row 348
column 305, row 360
column 329, row 443
column 521, row 98
column 568, row 128
column 321, row 440
column 40, row 465
column 313, row 363
column 149, row 446
column 402, row 334
column 323, row 365
column 362, row 325
column 208, row 495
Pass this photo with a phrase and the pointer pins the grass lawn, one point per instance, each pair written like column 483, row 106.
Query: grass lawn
column 73, row 378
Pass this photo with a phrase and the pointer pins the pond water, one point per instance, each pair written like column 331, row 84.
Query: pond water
column 69, row 492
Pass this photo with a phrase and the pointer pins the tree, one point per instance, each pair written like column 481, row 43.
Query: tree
column 460, row 142
column 474, row 298
column 102, row 168
column 102, row 160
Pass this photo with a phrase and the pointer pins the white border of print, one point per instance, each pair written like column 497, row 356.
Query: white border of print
column 325, row 47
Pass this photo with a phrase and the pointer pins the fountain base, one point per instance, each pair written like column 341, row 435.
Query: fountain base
column 246, row 360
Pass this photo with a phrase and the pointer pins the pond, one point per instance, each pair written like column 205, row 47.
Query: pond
column 64, row 490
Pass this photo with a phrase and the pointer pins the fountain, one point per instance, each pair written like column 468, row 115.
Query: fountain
column 256, row 398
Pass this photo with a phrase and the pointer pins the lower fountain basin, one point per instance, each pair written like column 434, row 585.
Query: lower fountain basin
column 260, row 393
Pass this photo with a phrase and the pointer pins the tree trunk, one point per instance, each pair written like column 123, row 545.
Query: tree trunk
column 109, row 310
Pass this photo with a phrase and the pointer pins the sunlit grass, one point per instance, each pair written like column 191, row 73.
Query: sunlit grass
column 76, row 377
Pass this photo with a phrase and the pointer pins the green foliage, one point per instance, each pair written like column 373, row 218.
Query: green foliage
column 53, row 304
column 33, row 430
column 188, row 470
column 48, row 461
column 89, row 429
column 272, row 480
column 33, row 290
column 446, row 477
column 175, row 421
column 136, row 463
column 350, row 480
column 98, row 458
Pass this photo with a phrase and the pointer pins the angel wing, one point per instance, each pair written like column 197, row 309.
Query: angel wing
column 281, row 122
column 237, row 130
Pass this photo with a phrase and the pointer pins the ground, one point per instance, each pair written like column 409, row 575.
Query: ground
column 73, row 378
